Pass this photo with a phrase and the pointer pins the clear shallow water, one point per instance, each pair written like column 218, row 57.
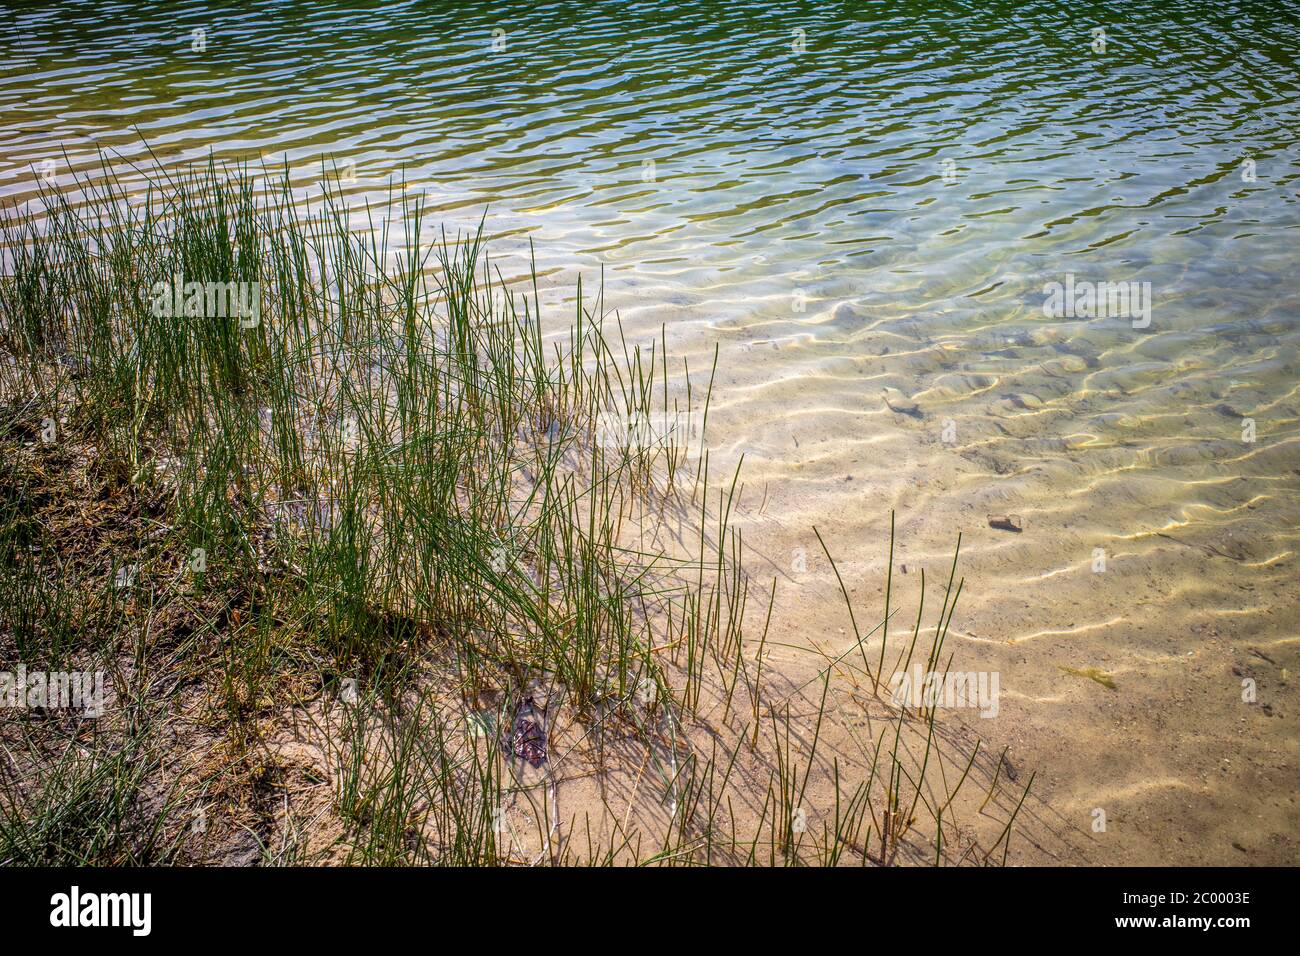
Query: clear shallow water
column 879, row 210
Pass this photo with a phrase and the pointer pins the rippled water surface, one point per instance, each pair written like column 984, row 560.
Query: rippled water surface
column 862, row 204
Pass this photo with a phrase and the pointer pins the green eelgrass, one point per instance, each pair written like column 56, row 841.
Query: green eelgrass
column 398, row 463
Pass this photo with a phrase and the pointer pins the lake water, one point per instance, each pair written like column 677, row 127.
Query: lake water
column 867, row 206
